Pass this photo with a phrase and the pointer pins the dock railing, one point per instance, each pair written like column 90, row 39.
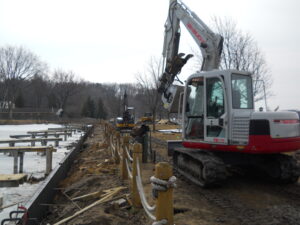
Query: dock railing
column 128, row 156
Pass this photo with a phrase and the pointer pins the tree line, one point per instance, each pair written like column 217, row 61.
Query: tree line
column 25, row 82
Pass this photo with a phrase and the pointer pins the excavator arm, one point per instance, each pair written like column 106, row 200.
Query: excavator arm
column 209, row 43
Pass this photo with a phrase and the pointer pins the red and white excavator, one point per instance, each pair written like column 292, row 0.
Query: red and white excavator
column 220, row 128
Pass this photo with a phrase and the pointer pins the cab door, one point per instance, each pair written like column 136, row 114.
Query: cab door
column 215, row 115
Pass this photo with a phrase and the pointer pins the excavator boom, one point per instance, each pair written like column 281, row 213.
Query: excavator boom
column 210, row 45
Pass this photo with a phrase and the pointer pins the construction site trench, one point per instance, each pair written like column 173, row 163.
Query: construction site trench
column 242, row 200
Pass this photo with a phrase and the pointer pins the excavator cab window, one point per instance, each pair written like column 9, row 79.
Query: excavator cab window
column 215, row 106
column 194, row 109
column 215, row 98
column 241, row 92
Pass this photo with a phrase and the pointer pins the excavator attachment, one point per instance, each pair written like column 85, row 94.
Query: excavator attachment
column 171, row 93
column 173, row 103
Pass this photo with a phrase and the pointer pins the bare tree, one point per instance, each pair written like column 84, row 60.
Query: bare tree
column 149, row 83
column 241, row 52
column 64, row 85
column 16, row 65
column 39, row 86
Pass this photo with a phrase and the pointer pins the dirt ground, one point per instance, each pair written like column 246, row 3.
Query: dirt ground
column 240, row 201
column 93, row 171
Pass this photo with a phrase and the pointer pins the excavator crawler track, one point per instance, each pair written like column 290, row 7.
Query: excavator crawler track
column 199, row 166
column 207, row 169
column 281, row 168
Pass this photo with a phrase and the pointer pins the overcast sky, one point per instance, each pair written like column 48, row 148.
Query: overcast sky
column 110, row 41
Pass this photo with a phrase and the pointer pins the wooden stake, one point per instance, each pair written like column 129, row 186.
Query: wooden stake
column 21, row 154
column 125, row 144
column 164, row 202
column 137, row 155
column 48, row 161
column 117, row 147
column 15, row 155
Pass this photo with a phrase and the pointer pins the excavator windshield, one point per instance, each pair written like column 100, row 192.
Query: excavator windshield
column 194, row 109
column 241, row 86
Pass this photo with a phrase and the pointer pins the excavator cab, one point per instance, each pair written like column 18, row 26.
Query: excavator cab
column 211, row 99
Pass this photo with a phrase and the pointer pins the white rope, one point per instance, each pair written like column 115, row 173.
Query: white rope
column 162, row 185
column 161, row 222
column 128, row 155
column 144, row 202
column 128, row 169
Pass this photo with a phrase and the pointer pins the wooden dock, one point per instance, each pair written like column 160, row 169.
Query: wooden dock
column 43, row 141
column 63, row 129
column 44, row 135
column 12, row 180
column 47, row 133
column 19, row 152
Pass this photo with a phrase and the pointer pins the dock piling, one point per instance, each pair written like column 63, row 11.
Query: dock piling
column 15, row 155
column 21, row 154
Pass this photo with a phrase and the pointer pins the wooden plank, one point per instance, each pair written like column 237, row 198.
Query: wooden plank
column 20, row 136
column 19, row 176
column 12, row 180
column 61, row 129
column 27, row 149
column 106, row 198
column 28, row 140
column 47, row 131
column 37, row 135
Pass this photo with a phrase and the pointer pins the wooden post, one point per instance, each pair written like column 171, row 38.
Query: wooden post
column 70, row 133
column 56, row 142
column 109, row 143
column 117, row 145
column 21, row 154
column 1, row 201
column 43, row 142
column 124, row 173
column 137, row 155
column 145, row 147
column 11, row 144
column 48, row 160
column 15, row 155
column 65, row 139
column 164, row 202
column 33, row 137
